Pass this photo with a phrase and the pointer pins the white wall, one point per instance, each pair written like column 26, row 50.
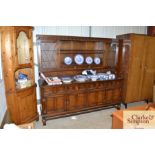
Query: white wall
column 62, row 30
column 2, row 93
column 112, row 31
column 96, row 31
column 2, row 101
column 0, row 59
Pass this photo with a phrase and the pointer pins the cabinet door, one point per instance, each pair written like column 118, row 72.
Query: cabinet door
column 149, row 69
column 92, row 98
column 113, row 96
column 134, row 78
column 55, row 104
column 100, row 97
column 24, row 50
column 76, row 101
column 109, row 96
column 125, row 64
column 117, row 95
column 27, row 105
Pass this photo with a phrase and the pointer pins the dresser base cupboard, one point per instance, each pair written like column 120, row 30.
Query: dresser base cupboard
column 138, row 67
column 77, row 98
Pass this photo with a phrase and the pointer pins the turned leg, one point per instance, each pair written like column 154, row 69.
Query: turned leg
column 118, row 107
column 125, row 104
column 44, row 122
column 37, row 119
column 147, row 101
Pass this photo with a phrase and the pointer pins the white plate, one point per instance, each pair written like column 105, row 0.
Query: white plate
column 89, row 60
column 66, row 79
column 67, row 60
column 79, row 59
column 97, row 60
column 80, row 78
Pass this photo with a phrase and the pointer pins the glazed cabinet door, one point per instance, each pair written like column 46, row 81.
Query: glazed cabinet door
column 23, row 44
column 27, row 105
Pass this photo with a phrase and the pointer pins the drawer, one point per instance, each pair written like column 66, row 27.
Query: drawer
column 113, row 84
column 101, row 85
column 93, row 85
column 83, row 86
column 71, row 88
column 51, row 90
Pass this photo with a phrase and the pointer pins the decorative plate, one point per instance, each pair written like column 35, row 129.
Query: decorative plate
column 79, row 59
column 80, row 78
column 97, row 60
column 89, row 60
column 67, row 60
column 66, row 79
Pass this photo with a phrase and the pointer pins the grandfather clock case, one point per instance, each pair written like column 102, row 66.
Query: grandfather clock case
column 17, row 57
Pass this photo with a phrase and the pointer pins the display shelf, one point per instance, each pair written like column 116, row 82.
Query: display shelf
column 24, row 89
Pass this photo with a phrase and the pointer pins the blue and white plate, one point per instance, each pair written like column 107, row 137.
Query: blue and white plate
column 66, row 79
column 80, row 78
column 67, row 60
column 79, row 59
column 89, row 60
column 97, row 60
